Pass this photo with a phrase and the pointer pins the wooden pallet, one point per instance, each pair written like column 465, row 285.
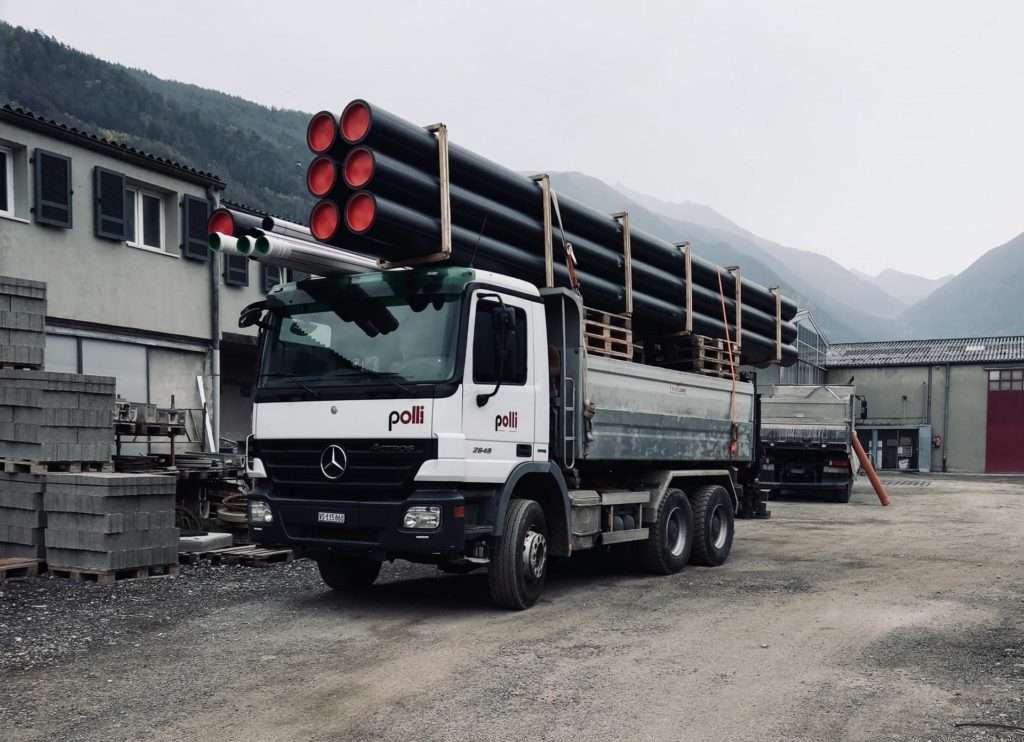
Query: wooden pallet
column 105, row 577
column 608, row 334
column 18, row 569
column 24, row 466
column 694, row 353
column 250, row 555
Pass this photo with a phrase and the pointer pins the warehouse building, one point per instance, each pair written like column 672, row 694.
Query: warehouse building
column 938, row 405
column 811, row 347
column 119, row 237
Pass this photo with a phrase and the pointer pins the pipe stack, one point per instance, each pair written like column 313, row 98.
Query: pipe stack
column 378, row 180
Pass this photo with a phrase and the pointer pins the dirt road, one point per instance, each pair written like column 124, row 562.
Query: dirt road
column 829, row 622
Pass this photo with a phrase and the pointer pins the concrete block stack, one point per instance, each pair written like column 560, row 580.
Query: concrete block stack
column 54, row 417
column 22, row 516
column 22, row 322
column 106, row 522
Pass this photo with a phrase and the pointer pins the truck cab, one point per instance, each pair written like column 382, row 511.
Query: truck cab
column 438, row 415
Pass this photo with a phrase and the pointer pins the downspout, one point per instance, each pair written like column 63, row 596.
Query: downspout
column 213, row 196
column 945, row 423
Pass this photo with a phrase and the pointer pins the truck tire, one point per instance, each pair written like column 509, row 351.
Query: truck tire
column 518, row 567
column 843, row 495
column 667, row 548
column 348, row 574
column 713, row 525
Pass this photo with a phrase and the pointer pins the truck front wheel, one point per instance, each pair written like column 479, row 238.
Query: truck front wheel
column 518, row 567
column 348, row 574
column 667, row 548
column 713, row 525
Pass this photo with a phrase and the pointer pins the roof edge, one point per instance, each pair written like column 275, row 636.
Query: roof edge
column 27, row 119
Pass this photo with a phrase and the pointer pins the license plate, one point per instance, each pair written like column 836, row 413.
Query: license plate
column 330, row 517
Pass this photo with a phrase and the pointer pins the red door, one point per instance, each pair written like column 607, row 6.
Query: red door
column 1004, row 447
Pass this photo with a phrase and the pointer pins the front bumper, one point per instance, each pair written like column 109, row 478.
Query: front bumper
column 371, row 528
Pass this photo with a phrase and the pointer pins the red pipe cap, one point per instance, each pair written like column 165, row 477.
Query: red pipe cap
column 324, row 219
column 360, row 211
column 355, row 121
column 221, row 221
column 359, row 167
column 321, row 131
column 321, row 176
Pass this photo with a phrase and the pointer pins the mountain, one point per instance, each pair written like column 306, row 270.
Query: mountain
column 846, row 305
column 983, row 300
column 260, row 152
column 907, row 286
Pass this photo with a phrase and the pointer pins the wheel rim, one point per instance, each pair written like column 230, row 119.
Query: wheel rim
column 535, row 555
column 675, row 532
column 719, row 528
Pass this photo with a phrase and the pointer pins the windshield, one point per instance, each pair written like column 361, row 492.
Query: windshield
column 370, row 329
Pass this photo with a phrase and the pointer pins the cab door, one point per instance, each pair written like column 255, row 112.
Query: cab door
column 500, row 386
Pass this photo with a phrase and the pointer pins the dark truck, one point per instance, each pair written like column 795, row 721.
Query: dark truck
column 806, row 440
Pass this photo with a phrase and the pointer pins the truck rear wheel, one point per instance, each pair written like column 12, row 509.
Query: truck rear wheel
column 518, row 567
column 713, row 525
column 667, row 548
column 348, row 574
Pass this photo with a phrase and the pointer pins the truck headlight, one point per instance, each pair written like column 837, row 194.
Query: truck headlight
column 422, row 516
column 260, row 512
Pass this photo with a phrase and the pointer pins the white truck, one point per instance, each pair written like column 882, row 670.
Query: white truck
column 455, row 417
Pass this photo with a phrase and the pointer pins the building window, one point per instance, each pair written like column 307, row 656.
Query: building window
column 6, row 182
column 1006, row 380
column 144, row 219
column 53, row 189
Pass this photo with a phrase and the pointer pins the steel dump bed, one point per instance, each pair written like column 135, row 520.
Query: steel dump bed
column 648, row 413
column 800, row 415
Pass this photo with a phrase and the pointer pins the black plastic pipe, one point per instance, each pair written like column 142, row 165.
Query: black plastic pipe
column 402, row 184
column 363, row 123
column 387, row 225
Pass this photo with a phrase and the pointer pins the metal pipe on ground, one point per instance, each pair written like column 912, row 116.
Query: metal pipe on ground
column 865, row 462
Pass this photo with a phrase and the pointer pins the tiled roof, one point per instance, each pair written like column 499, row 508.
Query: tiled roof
column 1001, row 349
column 24, row 117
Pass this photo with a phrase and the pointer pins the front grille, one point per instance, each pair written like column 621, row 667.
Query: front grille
column 378, row 470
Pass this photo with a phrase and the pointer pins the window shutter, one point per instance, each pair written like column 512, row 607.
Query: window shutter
column 52, row 189
column 236, row 270
column 111, row 217
column 272, row 275
column 194, row 213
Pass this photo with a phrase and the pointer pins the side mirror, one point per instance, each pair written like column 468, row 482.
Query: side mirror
column 503, row 326
column 252, row 315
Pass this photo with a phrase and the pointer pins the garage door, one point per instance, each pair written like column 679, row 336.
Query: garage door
column 1004, row 446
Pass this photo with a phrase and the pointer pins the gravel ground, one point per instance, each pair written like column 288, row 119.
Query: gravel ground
column 829, row 622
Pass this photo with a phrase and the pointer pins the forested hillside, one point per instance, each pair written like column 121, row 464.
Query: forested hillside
column 260, row 152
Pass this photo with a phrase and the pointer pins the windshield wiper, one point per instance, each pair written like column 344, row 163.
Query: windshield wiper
column 386, row 376
column 295, row 377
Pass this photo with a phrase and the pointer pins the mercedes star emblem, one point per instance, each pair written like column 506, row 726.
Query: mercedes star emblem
column 333, row 461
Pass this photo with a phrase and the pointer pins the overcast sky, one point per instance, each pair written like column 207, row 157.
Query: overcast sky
column 882, row 134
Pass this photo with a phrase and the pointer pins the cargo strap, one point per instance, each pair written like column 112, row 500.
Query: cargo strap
column 733, row 428
column 570, row 256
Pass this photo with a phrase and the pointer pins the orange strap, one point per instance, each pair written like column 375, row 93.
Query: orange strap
column 733, row 431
